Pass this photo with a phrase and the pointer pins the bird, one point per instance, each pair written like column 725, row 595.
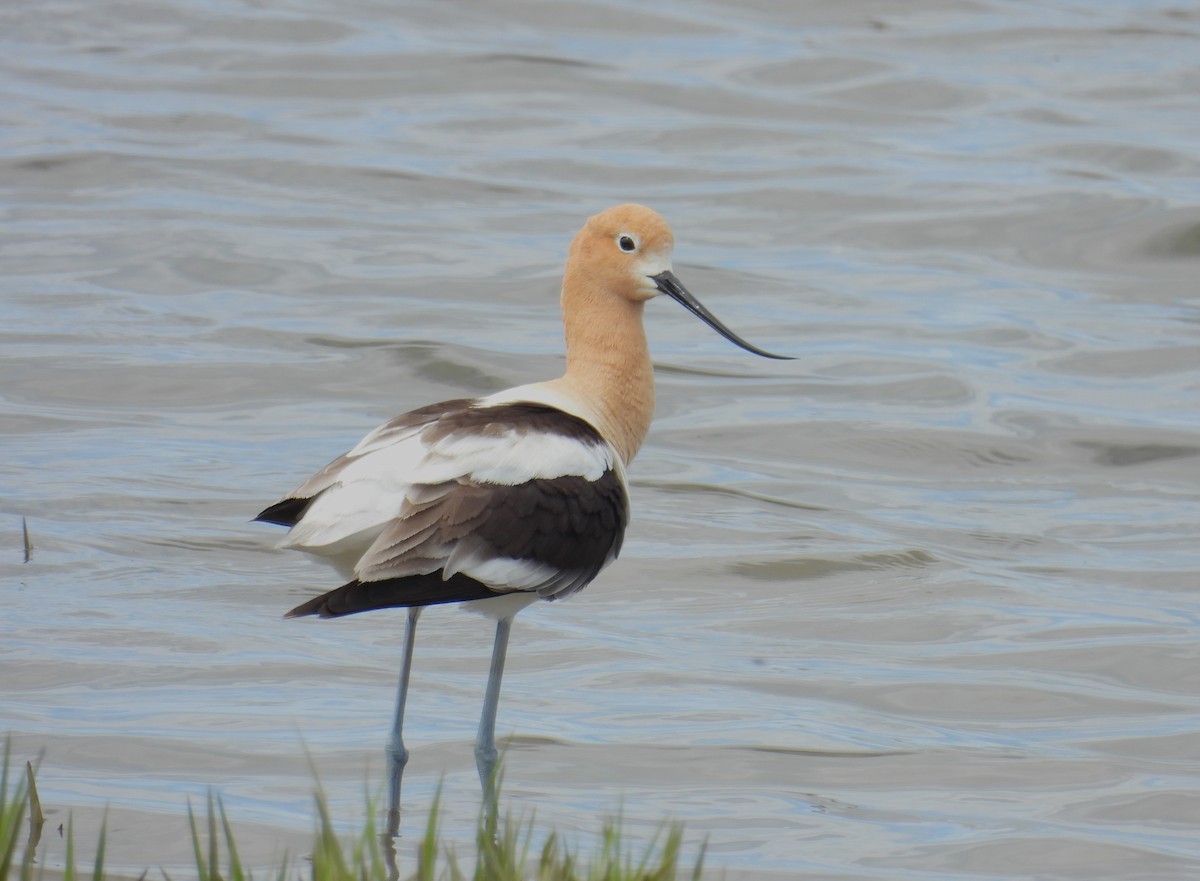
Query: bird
column 500, row 501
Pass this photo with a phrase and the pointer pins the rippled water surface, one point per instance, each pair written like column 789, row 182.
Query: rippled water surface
column 920, row 604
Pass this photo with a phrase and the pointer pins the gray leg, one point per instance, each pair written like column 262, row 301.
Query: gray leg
column 397, row 754
column 485, row 743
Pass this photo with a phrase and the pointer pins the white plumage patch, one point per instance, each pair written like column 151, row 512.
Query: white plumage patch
column 515, row 458
column 501, row 572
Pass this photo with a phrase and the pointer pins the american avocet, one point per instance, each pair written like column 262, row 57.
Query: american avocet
column 500, row 501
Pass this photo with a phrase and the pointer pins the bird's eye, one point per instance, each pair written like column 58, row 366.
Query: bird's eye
column 627, row 243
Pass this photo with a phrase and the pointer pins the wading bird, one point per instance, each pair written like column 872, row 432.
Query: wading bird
column 500, row 501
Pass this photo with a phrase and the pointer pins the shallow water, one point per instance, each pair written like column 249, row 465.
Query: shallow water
column 920, row 604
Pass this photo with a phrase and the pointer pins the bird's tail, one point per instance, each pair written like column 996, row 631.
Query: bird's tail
column 414, row 590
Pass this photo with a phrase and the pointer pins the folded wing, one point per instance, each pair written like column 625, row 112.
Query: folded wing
column 461, row 502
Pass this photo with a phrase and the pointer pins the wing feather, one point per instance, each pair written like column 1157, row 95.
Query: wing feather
column 511, row 497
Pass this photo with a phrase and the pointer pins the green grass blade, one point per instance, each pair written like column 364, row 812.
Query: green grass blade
column 427, row 853
column 237, row 871
column 214, row 848
column 197, row 851
column 328, row 859
column 98, row 868
column 698, row 869
column 12, row 809
column 37, row 820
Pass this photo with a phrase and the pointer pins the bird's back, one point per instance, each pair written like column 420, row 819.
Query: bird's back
column 458, row 501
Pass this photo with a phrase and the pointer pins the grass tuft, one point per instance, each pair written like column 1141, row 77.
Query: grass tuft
column 503, row 848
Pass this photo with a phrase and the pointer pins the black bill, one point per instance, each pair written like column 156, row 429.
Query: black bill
column 673, row 288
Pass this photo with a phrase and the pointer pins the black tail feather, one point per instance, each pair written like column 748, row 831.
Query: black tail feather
column 416, row 590
column 285, row 513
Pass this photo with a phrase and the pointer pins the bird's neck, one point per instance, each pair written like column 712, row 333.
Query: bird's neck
column 608, row 364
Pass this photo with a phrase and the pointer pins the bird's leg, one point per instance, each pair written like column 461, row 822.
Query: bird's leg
column 397, row 754
column 485, row 743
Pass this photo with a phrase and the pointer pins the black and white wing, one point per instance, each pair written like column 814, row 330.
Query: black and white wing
column 462, row 501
